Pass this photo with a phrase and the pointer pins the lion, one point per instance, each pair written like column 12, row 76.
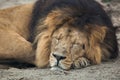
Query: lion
column 61, row 34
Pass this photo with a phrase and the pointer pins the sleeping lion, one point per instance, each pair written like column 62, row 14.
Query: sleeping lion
column 61, row 34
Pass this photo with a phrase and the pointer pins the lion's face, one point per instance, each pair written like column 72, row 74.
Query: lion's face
column 68, row 46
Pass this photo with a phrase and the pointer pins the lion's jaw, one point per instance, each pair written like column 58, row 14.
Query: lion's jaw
column 68, row 45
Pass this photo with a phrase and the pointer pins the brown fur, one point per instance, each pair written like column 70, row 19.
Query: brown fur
column 14, row 32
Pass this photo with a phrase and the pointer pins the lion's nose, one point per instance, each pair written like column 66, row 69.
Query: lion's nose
column 59, row 57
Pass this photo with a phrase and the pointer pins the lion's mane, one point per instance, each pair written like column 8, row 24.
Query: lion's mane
column 87, row 12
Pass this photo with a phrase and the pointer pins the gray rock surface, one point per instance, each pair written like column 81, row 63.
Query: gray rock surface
column 105, row 71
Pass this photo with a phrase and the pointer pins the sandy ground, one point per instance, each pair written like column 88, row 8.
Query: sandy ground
column 105, row 71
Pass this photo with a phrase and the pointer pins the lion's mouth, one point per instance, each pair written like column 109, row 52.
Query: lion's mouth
column 60, row 66
column 56, row 68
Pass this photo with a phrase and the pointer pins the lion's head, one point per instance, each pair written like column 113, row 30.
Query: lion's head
column 68, row 45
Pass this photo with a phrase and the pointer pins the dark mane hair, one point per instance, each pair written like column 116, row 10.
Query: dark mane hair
column 88, row 11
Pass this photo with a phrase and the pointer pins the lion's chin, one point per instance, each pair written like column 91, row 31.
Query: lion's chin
column 59, row 68
column 56, row 68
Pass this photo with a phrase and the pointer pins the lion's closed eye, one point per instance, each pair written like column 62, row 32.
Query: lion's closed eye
column 55, row 40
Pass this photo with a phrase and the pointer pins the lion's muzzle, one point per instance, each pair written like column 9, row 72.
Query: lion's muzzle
column 58, row 58
column 57, row 61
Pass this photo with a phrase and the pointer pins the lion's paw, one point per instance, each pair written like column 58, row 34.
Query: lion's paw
column 81, row 63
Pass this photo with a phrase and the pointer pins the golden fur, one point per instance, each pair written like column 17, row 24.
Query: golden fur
column 14, row 32
column 58, row 43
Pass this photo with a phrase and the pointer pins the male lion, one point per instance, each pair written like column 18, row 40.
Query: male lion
column 62, row 34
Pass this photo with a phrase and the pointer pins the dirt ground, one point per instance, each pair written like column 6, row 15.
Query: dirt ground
column 105, row 71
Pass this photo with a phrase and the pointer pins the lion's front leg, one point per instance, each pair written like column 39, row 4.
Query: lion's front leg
column 42, row 52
